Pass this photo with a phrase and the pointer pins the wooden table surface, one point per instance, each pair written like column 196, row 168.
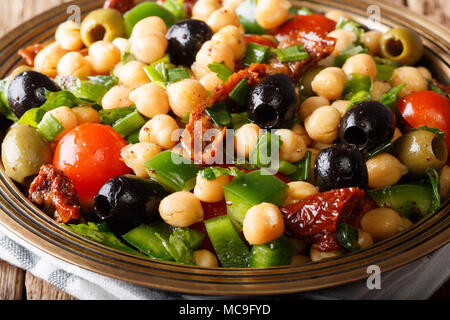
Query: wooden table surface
column 16, row 284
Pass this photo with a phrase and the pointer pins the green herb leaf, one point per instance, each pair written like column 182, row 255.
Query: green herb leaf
column 177, row 74
column 359, row 97
column 95, row 232
column 239, row 119
column 433, row 87
column 128, row 124
column 255, row 53
column 240, row 92
column 293, row 53
column 347, row 236
column 50, row 128
column 433, row 175
column 386, row 62
column 340, row 59
column 390, row 98
column 107, row 81
column 219, row 114
column 179, row 247
column 222, row 71
column 262, row 155
column 352, row 26
column 54, row 100
column 89, row 90
column 303, row 171
column 212, row 173
column 385, row 147
column 355, row 84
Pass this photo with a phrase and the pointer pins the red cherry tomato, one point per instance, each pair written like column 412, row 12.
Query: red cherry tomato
column 259, row 40
column 90, row 156
column 427, row 108
column 315, row 23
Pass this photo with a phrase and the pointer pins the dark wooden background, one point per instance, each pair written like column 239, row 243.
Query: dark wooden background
column 16, row 284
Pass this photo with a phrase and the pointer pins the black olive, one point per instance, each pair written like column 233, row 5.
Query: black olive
column 340, row 166
column 185, row 39
column 126, row 201
column 27, row 91
column 367, row 125
column 273, row 103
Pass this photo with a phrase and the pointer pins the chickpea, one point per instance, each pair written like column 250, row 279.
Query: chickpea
column 68, row 36
column 299, row 190
column 146, row 26
column 317, row 255
column 381, row 223
column 362, row 63
column 372, row 40
column 364, row 239
column 425, row 72
column 123, row 44
column 135, row 156
column 329, row 83
column 341, row 106
column 221, row 18
column 150, row 100
column 149, row 48
column 246, row 139
column 181, row 209
column 206, row 259
column 232, row 4
column 184, row 95
column 65, row 116
column 322, row 124
column 301, row 131
column 378, row 89
column 397, row 134
column 117, row 97
column 47, row 59
column 413, row 78
column 117, row 69
column 316, row 145
column 444, row 182
column 202, row 9
column 310, row 105
column 263, row 223
column 160, row 131
column 210, row 191
column 293, row 148
column 406, row 223
column 335, row 15
column 104, row 56
column 271, row 14
column 299, row 259
column 133, row 75
column 74, row 64
column 384, row 170
column 234, row 38
column 213, row 51
column 210, row 81
column 344, row 40
column 87, row 115
column 200, row 71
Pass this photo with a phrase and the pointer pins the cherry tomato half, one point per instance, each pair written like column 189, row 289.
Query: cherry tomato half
column 427, row 108
column 259, row 40
column 315, row 23
column 90, row 156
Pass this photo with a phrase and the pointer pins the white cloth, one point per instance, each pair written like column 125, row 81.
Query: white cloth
column 417, row 280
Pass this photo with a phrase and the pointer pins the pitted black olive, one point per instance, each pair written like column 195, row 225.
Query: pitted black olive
column 126, row 201
column 340, row 166
column 27, row 91
column 185, row 39
column 273, row 103
column 367, row 125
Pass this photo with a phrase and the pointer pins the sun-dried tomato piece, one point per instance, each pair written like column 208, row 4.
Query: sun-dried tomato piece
column 120, row 5
column 54, row 190
column 322, row 212
column 29, row 53
column 326, row 242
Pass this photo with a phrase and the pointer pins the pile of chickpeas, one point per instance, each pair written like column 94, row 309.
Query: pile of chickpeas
column 319, row 114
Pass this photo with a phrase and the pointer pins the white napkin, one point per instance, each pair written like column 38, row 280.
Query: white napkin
column 417, row 280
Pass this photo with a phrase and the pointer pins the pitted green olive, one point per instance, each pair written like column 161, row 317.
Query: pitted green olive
column 102, row 24
column 402, row 45
column 419, row 150
column 24, row 151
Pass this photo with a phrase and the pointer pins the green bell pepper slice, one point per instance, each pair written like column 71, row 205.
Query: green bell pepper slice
column 272, row 254
column 172, row 171
column 144, row 10
column 251, row 189
column 409, row 200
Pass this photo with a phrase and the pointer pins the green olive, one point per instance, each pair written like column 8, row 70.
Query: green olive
column 24, row 151
column 306, row 80
column 102, row 24
column 419, row 150
column 402, row 45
